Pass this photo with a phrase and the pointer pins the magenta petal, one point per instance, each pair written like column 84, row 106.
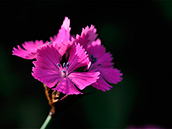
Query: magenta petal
column 103, row 62
column 63, row 46
column 63, row 34
column 46, row 76
column 101, row 84
column 83, row 79
column 77, row 57
column 32, row 46
column 48, row 55
column 46, row 69
column 110, row 74
column 99, row 51
column 30, row 49
column 23, row 53
column 96, row 49
column 88, row 35
column 66, row 87
column 66, row 24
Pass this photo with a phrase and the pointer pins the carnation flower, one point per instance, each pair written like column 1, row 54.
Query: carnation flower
column 62, row 43
column 59, row 74
column 102, row 62
column 100, row 59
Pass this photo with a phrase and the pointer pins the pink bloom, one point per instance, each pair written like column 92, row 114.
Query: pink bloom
column 57, row 61
column 30, row 48
column 51, row 69
column 102, row 62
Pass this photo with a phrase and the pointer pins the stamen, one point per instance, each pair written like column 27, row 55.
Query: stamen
column 58, row 64
column 64, row 71
column 92, row 57
column 67, row 64
column 99, row 64
column 95, row 59
column 64, row 64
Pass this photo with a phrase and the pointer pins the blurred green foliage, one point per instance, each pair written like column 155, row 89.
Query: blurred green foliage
column 111, row 35
column 111, row 109
column 9, row 79
column 166, row 7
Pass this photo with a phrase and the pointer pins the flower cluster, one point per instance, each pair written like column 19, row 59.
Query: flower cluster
column 69, row 64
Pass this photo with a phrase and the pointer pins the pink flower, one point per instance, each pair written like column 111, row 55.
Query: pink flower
column 30, row 48
column 101, row 60
column 57, row 61
column 51, row 69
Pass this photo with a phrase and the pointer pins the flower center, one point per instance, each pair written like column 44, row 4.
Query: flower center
column 93, row 59
column 64, row 69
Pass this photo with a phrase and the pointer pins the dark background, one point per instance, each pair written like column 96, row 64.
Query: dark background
column 137, row 33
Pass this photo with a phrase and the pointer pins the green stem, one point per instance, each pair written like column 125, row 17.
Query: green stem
column 46, row 121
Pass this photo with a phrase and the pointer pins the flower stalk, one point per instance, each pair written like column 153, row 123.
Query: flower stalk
column 48, row 119
column 52, row 97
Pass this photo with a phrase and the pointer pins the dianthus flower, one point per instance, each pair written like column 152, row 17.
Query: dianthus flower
column 59, row 73
column 101, row 60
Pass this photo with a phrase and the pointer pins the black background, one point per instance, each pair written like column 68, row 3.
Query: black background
column 143, row 52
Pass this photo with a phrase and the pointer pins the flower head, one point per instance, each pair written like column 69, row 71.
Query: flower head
column 100, row 59
column 59, row 73
column 102, row 62
column 58, row 60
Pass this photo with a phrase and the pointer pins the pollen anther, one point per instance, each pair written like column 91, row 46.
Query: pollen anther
column 58, row 64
